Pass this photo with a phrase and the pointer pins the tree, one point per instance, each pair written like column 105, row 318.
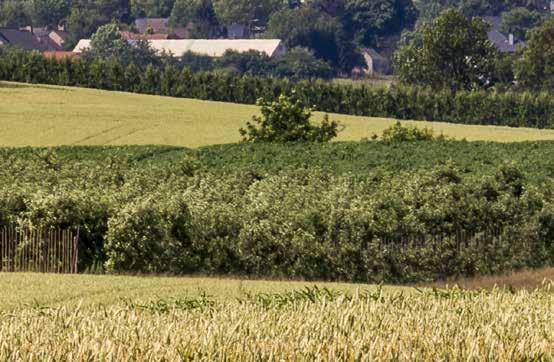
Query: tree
column 368, row 19
column 431, row 9
column 300, row 63
column 250, row 62
column 199, row 13
column 151, row 8
column 87, row 16
column 48, row 12
column 107, row 43
column 285, row 120
column 13, row 14
column 481, row 7
column 535, row 69
column 518, row 21
column 309, row 28
column 245, row 11
column 451, row 52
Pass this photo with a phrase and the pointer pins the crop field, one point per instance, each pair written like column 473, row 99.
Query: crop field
column 58, row 318
column 36, row 115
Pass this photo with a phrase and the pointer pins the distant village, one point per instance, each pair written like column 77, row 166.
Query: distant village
column 176, row 41
column 359, row 54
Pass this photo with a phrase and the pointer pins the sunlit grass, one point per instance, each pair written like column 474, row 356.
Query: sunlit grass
column 33, row 115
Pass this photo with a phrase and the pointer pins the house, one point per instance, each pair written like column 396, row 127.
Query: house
column 152, row 25
column 375, row 62
column 209, row 47
column 23, row 39
column 29, row 38
column 504, row 44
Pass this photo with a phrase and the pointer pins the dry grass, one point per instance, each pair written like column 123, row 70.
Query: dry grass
column 526, row 279
column 442, row 326
column 69, row 290
column 33, row 115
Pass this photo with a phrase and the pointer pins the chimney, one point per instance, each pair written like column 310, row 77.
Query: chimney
column 511, row 39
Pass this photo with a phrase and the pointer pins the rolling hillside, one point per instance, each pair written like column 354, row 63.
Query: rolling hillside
column 37, row 115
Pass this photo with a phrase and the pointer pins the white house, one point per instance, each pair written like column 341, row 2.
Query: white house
column 210, row 47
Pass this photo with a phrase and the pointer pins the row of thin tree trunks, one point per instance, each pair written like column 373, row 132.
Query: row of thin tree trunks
column 38, row 250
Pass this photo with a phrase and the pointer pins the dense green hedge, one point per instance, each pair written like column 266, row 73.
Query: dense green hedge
column 138, row 214
column 480, row 107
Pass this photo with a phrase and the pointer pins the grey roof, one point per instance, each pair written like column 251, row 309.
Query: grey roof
column 501, row 42
column 22, row 39
column 159, row 25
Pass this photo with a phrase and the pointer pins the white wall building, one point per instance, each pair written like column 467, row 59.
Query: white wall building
column 210, row 47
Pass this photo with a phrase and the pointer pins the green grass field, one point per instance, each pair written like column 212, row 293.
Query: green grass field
column 36, row 115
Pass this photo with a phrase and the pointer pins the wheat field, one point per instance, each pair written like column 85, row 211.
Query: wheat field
column 38, row 115
column 181, row 319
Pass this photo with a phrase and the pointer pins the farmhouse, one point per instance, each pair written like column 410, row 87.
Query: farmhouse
column 29, row 38
column 209, row 47
column 504, row 44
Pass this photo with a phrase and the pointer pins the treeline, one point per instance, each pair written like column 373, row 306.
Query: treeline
column 301, row 223
column 518, row 109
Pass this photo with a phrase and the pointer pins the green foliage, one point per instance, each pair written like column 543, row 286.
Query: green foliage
column 299, row 63
column 295, row 64
column 309, row 28
column 368, row 19
column 107, row 44
column 453, row 52
column 199, row 13
column 245, row 11
column 48, row 12
column 399, row 133
column 139, row 214
column 518, row 21
column 535, row 70
column 285, row 120
column 151, row 8
column 13, row 14
column 145, row 236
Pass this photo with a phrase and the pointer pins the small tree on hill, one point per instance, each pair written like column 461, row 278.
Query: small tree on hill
column 285, row 120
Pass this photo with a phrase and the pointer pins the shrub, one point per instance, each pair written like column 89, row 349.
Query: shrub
column 399, row 133
column 286, row 120
column 148, row 236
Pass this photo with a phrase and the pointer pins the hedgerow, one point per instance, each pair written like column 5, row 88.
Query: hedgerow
column 137, row 215
column 515, row 109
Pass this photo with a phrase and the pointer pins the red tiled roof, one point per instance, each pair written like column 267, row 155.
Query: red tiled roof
column 60, row 55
